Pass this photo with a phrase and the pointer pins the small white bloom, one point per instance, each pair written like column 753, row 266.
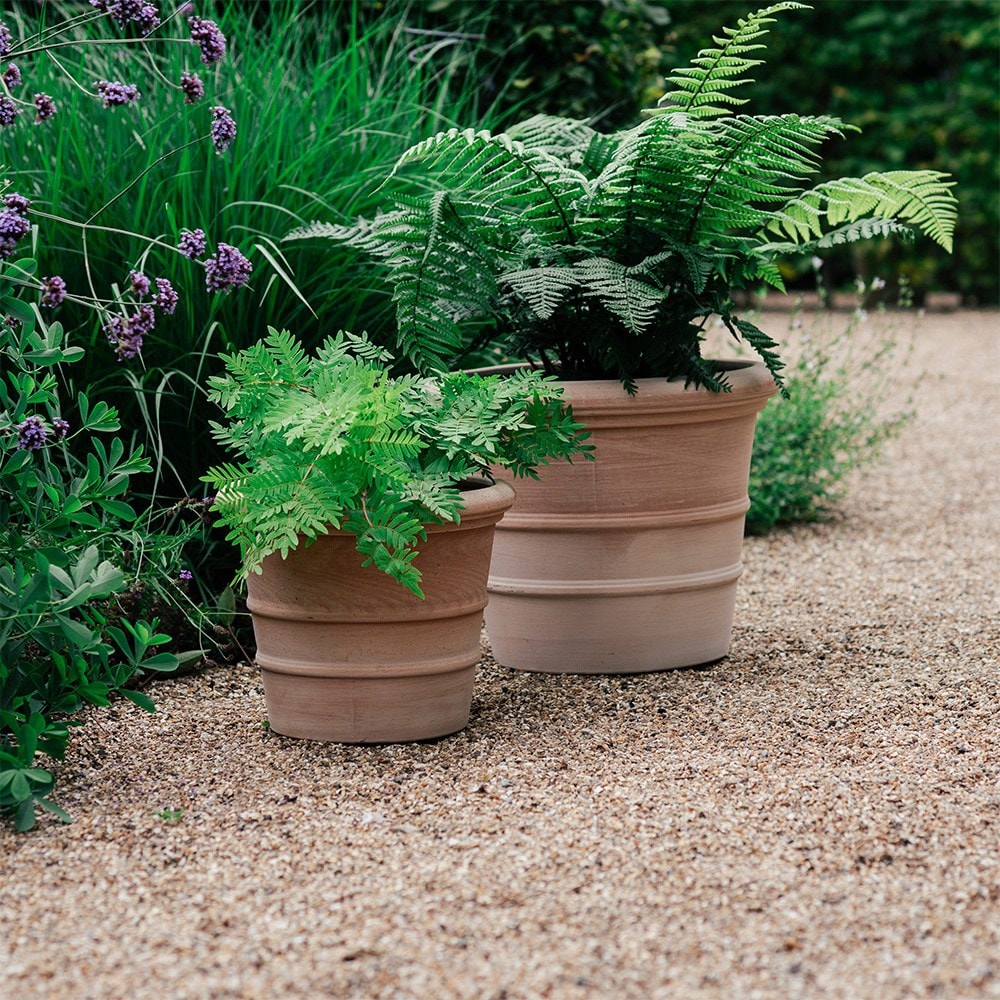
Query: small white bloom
column 877, row 284
column 817, row 263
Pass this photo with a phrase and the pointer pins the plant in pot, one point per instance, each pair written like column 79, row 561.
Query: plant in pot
column 603, row 259
column 344, row 472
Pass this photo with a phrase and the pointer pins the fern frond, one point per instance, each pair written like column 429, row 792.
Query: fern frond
column 755, row 162
column 497, row 170
column 621, row 290
column 853, row 232
column 543, row 289
column 704, row 87
column 761, row 343
column 920, row 197
column 565, row 139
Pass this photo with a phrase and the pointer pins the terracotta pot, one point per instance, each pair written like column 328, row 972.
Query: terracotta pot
column 349, row 655
column 629, row 563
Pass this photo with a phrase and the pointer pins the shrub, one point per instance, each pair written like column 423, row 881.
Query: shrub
column 837, row 418
column 64, row 527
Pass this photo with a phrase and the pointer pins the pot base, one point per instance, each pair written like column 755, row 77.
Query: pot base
column 365, row 710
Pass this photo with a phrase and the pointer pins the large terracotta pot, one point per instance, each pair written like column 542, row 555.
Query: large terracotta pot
column 629, row 563
column 349, row 655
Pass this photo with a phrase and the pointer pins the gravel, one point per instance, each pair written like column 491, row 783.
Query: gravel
column 816, row 816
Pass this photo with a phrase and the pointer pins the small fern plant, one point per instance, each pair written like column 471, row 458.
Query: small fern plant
column 334, row 441
column 603, row 256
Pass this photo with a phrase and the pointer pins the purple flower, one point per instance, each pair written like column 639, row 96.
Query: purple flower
column 125, row 335
column 61, row 427
column 223, row 129
column 8, row 112
column 192, row 243
column 102, row 5
column 227, row 269
column 6, row 42
column 53, row 291
column 166, row 298
column 124, row 11
column 31, row 434
column 116, row 94
column 45, row 108
column 17, row 203
column 142, row 321
column 12, row 76
column 140, row 284
column 185, row 574
column 208, row 36
column 149, row 18
column 194, row 89
column 13, row 227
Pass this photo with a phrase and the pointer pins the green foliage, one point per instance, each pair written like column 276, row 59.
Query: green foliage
column 324, row 102
column 64, row 511
column 334, row 441
column 837, row 418
column 563, row 57
column 603, row 256
column 922, row 80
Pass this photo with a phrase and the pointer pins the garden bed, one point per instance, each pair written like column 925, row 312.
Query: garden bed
column 816, row 815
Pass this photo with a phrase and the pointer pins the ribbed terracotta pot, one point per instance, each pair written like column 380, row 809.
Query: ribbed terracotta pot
column 629, row 563
column 349, row 655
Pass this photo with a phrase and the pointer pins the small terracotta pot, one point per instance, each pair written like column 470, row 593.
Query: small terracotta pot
column 629, row 563
column 349, row 655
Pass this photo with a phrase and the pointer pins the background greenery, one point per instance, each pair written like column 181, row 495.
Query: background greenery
column 919, row 76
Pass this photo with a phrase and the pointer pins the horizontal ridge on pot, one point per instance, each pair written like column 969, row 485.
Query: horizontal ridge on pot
column 630, row 563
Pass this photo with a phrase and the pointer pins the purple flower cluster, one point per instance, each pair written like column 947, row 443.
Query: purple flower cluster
column 126, row 333
column 166, row 297
column 209, row 38
column 53, row 291
column 12, row 76
column 45, row 108
column 61, row 427
column 139, row 283
column 14, row 224
column 123, row 11
column 194, row 89
column 185, row 575
column 149, row 18
column 6, row 42
column 226, row 269
column 117, row 94
column 192, row 243
column 223, row 129
column 32, row 434
column 8, row 112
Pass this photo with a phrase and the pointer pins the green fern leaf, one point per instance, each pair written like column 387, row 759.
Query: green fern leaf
column 704, row 87
column 922, row 198
column 862, row 229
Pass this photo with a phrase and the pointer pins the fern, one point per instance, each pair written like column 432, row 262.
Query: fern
column 602, row 256
column 920, row 197
column 705, row 85
column 334, row 441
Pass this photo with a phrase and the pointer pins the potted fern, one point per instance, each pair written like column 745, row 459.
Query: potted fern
column 602, row 259
column 344, row 472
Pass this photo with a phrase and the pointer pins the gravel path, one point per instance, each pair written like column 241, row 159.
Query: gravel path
column 817, row 816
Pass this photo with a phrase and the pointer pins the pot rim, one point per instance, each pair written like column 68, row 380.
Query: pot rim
column 751, row 384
